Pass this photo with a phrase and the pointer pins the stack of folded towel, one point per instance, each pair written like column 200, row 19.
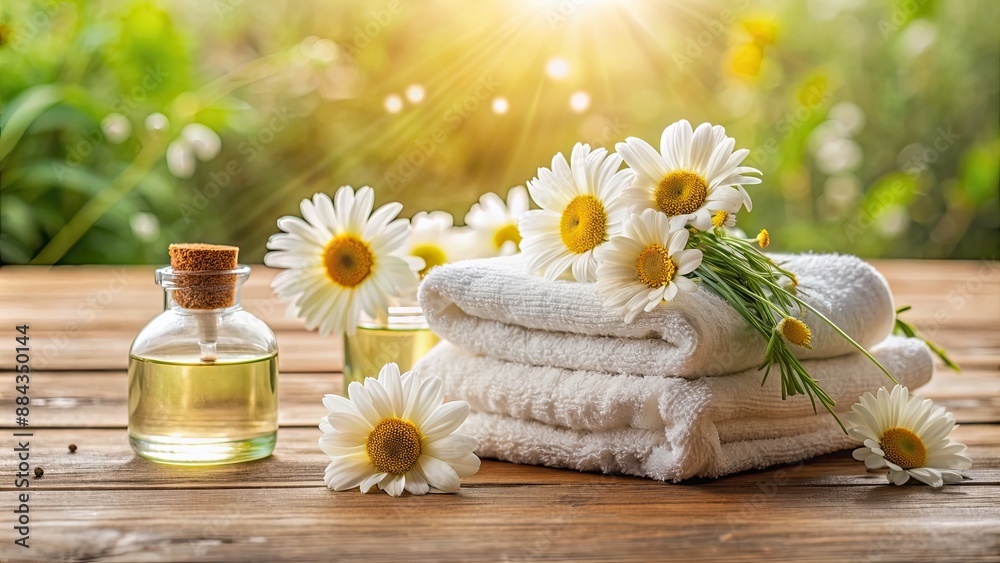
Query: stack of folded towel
column 554, row 378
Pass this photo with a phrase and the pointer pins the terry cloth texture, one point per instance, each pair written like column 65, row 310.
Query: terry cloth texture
column 664, row 428
column 494, row 307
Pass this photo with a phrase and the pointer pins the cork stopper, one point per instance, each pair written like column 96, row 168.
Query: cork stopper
column 203, row 291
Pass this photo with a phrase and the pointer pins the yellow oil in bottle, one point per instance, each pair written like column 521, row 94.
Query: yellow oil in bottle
column 185, row 411
column 369, row 349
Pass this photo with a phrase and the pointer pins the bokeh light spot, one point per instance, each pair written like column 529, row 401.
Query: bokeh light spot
column 557, row 68
column 415, row 93
column 393, row 103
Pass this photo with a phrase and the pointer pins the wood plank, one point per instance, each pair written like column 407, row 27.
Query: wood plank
column 104, row 460
column 628, row 520
column 99, row 399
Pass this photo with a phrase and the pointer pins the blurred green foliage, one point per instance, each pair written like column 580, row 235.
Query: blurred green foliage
column 875, row 123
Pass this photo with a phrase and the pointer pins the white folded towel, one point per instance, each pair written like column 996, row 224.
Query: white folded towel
column 495, row 308
column 660, row 427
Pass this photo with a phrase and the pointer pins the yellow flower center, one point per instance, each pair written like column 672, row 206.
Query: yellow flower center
column 508, row 232
column 583, row 224
column 432, row 254
column 348, row 260
column 719, row 219
column 654, row 266
column 795, row 331
column 764, row 238
column 904, row 448
column 393, row 446
column 681, row 192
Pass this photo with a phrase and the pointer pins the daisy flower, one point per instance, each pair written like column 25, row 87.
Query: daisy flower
column 909, row 436
column 341, row 259
column 795, row 331
column 695, row 175
column 496, row 222
column 723, row 219
column 395, row 432
column 646, row 264
column 581, row 206
column 435, row 240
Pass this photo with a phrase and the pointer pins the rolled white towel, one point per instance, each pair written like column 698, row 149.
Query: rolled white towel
column 663, row 428
column 496, row 308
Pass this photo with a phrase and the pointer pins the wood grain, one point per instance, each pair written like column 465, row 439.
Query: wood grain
column 298, row 462
column 103, row 503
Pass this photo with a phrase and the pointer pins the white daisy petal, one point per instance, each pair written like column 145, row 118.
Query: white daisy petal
column 467, row 466
column 416, row 484
column 951, row 477
column 379, row 398
column 670, row 291
column 347, row 472
column 898, row 477
column 642, row 158
column 330, row 446
column 685, row 285
column 363, row 403
column 325, row 426
column 371, row 481
column 439, row 474
column 687, row 260
column 430, row 398
column 393, row 383
column 394, row 485
column 348, row 422
column 676, row 142
column 344, row 438
column 451, row 447
column 445, row 419
column 927, row 475
column 381, row 219
column 874, row 461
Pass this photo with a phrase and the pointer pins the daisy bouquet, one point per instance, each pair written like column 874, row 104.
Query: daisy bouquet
column 665, row 225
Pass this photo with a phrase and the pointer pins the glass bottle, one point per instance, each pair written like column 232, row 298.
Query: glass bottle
column 403, row 338
column 203, row 382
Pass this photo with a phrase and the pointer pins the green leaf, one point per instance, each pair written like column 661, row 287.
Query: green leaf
column 23, row 111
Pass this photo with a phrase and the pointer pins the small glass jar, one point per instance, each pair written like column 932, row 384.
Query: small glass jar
column 403, row 338
column 203, row 383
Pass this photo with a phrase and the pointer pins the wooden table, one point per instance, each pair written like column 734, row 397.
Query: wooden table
column 104, row 503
